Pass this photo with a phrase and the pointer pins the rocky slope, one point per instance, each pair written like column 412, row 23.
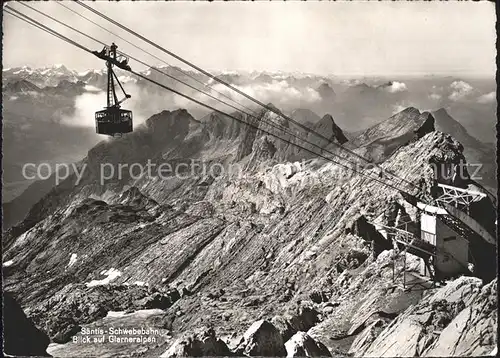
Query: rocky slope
column 329, row 129
column 266, row 251
column 475, row 152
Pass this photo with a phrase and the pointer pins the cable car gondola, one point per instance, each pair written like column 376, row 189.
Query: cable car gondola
column 113, row 120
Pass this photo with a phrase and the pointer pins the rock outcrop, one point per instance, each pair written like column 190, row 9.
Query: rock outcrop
column 302, row 319
column 203, row 343
column 475, row 152
column 262, row 339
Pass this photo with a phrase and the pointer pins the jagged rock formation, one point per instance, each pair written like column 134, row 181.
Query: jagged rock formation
column 457, row 320
column 221, row 127
column 282, row 243
column 21, row 86
column 326, row 92
column 328, row 129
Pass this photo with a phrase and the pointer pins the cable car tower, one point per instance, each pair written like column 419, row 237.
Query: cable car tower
column 113, row 120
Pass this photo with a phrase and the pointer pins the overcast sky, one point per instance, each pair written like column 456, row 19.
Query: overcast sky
column 364, row 38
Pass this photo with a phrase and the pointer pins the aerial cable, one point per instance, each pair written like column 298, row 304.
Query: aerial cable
column 39, row 25
column 156, row 57
column 143, row 63
column 56, row 34
column 196, row 89
column 197, row 68
column 234, row 88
